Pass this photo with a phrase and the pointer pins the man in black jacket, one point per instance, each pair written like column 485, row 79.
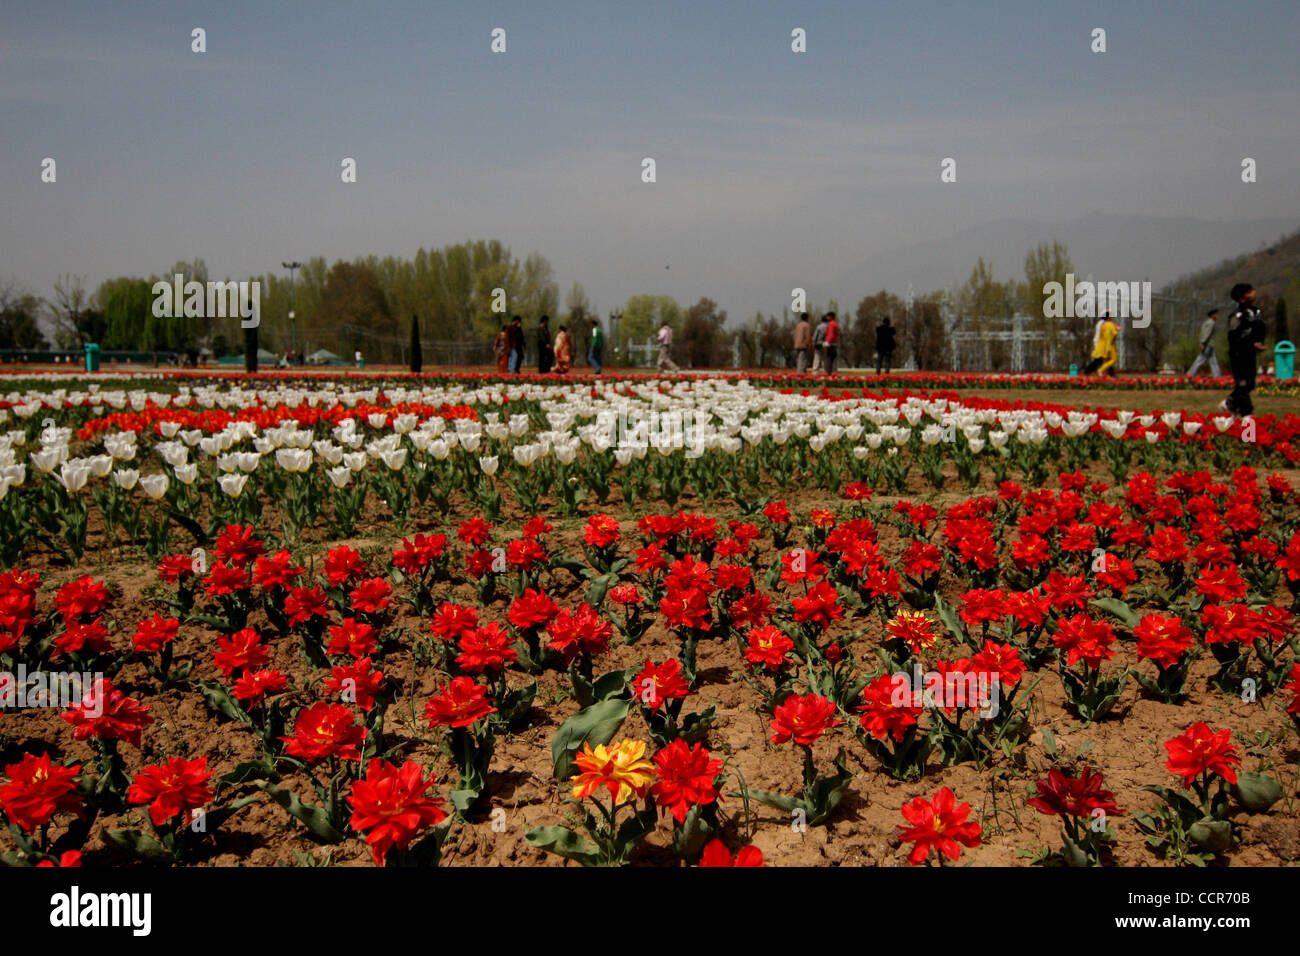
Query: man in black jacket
column 884, row 346
column 1246, row 334
column 545, row 350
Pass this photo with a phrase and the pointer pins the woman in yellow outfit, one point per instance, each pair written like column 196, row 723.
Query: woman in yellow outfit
column 1105, row 355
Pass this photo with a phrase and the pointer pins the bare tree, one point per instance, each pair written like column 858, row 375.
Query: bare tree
column 67, row 311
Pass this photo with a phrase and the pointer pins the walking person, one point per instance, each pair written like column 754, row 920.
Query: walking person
column 597, row 347
column 803, row 343
column 1095, row 363
column 831, row 342
column 501, row 349
column 563, row 351
column 819, row 345
column 516, row 342
column 884, row 346
column 545, row 351
column 666, row 363
column 1104, row 352
column 1206, row 340
column 1246, row 334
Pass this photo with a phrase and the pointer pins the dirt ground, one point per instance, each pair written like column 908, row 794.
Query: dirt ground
column 1126, row 746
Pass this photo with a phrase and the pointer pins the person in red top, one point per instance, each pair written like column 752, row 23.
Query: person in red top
column 832, row 342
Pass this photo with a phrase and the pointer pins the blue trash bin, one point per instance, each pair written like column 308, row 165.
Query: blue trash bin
column 1074, row 369
column 1284, row 361
column 92, row 357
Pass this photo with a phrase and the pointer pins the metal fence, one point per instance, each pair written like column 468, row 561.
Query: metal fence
column 1018, row 343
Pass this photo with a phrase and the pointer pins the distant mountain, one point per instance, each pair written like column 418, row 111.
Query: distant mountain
column 1274, row 271
column 1111, row 247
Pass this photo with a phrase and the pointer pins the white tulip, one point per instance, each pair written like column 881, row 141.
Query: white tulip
column 174, row 455
column 394, row 459
column 340, row 476
column 45, row 459
column 126, row 478
column 74, row 474
column 186, row 474
column 488, row 464
column 155, row 486
column 232, row 484
column 100, row 465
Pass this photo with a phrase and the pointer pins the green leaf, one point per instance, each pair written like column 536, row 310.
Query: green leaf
column 462, row 800
column 515, row 704
column 211, row 620
column 1049, row 743
column 1256, row 791
column 428, row 850
column 599, row 587
column 219, row 699
column 596, row 725
column 778, row 800
column 610, row 685
column 215, row 818
column 314, row 818
column 138, row 843
column 695, row 726
column 1212, row 835
column 245, row 771
column 1072, row 854
column 637, row 826
column 950, row 618
column 573, row 566
column 1117, row 608
column 563, row 842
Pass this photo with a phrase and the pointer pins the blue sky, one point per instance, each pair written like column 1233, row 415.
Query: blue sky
column 774, row 168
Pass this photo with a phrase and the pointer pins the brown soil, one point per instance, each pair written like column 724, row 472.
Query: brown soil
column 1126, row 746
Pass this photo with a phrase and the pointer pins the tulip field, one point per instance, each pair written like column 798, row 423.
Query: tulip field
column 333, row 620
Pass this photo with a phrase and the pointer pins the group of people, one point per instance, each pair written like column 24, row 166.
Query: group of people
column 821, row 344
column 552, row 355
column 1246, row 337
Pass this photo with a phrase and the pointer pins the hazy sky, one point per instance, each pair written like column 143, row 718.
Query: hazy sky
column 774, row 168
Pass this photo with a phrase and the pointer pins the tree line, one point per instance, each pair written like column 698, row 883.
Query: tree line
column 451, row 300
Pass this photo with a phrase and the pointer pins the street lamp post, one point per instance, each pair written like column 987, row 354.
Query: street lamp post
column 615, row 316
column 293, row 322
